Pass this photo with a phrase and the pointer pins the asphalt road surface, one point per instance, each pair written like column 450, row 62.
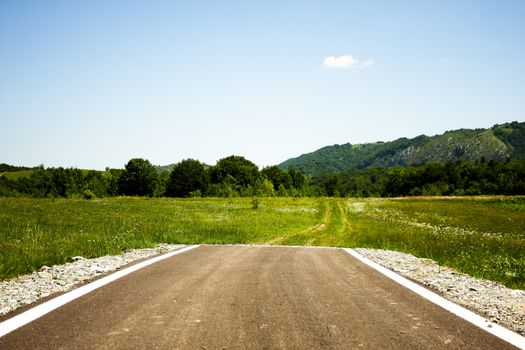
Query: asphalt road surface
column 227, row 297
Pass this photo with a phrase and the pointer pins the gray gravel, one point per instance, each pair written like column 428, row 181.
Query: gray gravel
column 497, row 303
column 27, row 289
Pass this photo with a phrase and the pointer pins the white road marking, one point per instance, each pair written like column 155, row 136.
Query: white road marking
column 44, row 308
column 481, row 322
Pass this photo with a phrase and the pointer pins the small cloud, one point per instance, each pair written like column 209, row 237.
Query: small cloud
column 340, row 62
column 346, row 62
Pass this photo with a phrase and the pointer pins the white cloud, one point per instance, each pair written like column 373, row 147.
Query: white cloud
column 340, row 62
column 346, row 62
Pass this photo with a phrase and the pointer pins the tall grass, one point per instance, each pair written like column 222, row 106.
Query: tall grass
column 36, row 232
column 483, row 236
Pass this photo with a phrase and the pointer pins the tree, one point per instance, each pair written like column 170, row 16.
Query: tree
column 186, row 177
column 7, row 187
column 139, row 179
column 278, row 177
column 298, row 179
column 333, row 185
column 235, row 170
column 112, row 181
column 266, row 189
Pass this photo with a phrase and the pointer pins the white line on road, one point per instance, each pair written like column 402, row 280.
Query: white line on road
column 493, row 328
column 44, row 308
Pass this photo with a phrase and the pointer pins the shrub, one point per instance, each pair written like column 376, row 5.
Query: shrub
column 88, row 194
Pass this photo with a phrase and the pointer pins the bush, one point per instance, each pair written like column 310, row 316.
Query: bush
column 88, row 194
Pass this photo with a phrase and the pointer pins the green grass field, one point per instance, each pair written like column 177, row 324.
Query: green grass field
column 15, row 175
column 482, row 236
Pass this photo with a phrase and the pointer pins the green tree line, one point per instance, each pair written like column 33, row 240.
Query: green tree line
column 431, row 179
column 236, row 176
column 231, row 177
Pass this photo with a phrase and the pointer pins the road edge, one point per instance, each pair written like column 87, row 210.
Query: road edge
column 469, row 316
column 38, row 311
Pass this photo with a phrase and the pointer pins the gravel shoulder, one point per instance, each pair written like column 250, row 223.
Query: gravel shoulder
column 27, row 289
column 499, row 304
column 494, row 301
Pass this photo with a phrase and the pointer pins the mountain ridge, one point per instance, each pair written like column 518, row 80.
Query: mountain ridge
column 501, row 142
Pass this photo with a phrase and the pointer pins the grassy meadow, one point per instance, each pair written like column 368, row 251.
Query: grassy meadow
column 482, row 236
column 15, row 175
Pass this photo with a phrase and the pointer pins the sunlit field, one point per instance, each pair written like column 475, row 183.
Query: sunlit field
column 482, row 236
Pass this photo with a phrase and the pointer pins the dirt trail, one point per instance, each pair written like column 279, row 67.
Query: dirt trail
column 347, row 224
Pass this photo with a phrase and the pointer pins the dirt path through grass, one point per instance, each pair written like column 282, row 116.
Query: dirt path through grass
column 347, row 225
column 484, row 237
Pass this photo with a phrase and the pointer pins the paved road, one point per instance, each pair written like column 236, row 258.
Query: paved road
column 228, row 297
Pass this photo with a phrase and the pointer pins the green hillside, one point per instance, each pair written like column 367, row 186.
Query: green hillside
column 164, row 168
column 13, row 172
column 18, row 174
column 501, row 142
column 168, row 168
column 15, row 175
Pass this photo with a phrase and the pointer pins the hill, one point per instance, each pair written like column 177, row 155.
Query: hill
column 164, row 168
column 168, row 168
column 501, row 142
column 15, row 172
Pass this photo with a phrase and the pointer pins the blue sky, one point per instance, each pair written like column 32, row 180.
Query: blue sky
column 92, row 84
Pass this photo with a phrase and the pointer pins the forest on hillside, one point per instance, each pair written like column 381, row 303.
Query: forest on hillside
column 236, row 176
column 500, row 143
column 431, row 179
